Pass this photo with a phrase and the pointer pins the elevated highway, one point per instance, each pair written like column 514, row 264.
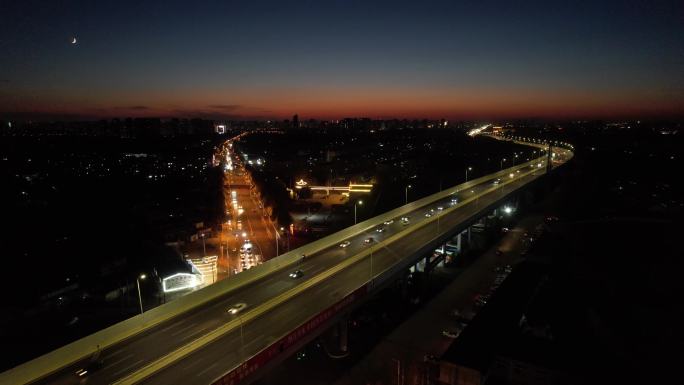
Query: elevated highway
column 195, row 339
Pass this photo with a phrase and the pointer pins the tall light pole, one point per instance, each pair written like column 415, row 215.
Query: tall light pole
column 516, row 155
column 282, row 229
column 501, row 163
column 406, row 194
column 137, row 282
column 204, row 248
column 468, row 169
column 355, row 204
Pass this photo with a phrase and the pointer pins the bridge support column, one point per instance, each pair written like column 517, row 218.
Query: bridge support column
column 343, row 335
column 458, row 243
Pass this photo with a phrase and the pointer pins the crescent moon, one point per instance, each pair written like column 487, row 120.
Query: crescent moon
column 73, row 41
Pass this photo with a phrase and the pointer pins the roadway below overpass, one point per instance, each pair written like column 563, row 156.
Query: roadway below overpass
column 206, row 343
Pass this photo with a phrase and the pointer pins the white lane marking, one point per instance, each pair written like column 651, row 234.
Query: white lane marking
column 178, row 323
column 181, row 330
column 192, row 363
column 120, row 360
column 126, row 368
column 208, row 368
column 193, row 333
column 112, row 354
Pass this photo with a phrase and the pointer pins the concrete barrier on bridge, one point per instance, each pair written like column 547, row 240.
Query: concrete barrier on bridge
column 83, row 348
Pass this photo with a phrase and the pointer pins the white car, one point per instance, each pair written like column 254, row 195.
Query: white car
column 368, row 240
column 296, row 274
column 497, row 181
column 238, row 307
column 440, row 208
column 428, row 214
column 345, row 244
column 451, row 333
column 389, row 222
column 380, row 229
column 405, row 221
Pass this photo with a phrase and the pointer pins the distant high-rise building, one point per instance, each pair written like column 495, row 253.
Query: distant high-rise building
column 295, row 121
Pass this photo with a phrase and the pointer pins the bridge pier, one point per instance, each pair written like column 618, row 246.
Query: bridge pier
column 344, row 336
column 336, row 342
column 458, row 242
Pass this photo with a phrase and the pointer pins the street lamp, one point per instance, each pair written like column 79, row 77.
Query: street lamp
column 355, row 204
column 287, row 233
column 501, row 163
column 137, row 282
column 204, row 248
column 406, row 194
column 468, row 169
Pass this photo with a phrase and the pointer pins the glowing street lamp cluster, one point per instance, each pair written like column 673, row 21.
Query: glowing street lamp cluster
column 477, row 131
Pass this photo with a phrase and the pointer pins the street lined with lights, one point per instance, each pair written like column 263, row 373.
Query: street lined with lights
column 382, row 256
column 207, row 318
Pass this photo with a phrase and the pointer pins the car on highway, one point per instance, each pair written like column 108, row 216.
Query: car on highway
column 368, row 240
column 238, row 307
column 453, row 201
column 428, row 214
column 380, row 229
column 345, row 244
column 405, row 221
column 296, row 274
column 451, row 333
column 497, row 181
column 389, row 222
column 440, row 208
column 92, row 366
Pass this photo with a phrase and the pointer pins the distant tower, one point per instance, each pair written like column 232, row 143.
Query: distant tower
column 295, row 121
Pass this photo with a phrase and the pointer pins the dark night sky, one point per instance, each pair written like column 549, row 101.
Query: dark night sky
column 330, row 59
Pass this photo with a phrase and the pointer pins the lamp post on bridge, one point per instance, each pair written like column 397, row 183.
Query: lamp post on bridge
column 468, row 169
column 406, row 194
column 137, row 282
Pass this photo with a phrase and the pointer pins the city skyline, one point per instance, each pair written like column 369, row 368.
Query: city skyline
column 268, row 60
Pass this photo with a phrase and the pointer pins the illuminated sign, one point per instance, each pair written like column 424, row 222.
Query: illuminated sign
column 180, row 281
column 300, row 183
